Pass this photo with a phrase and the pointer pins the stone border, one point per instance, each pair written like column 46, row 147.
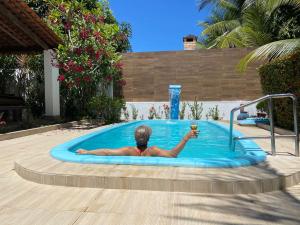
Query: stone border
column 38, row 130
column 253, row 153
column 277, row 130
column 216, row 186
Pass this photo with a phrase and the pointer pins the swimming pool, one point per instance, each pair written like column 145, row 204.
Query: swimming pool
column 210, row 149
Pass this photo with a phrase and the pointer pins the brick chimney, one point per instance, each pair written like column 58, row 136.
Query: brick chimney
column 190, row 42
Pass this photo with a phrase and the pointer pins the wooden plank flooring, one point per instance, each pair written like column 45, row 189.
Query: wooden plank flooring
column 27, row 203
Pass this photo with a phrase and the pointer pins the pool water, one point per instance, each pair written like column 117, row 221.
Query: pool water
column 210, row 149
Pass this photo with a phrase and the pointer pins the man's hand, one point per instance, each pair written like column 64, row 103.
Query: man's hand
column 192, row 133
column 82, row 152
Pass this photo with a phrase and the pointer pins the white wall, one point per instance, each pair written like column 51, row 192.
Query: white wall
column 224, row 108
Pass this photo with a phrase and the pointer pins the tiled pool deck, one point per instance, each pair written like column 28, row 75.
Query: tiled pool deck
column 24, row 202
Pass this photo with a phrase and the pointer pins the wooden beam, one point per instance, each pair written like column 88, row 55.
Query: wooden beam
column 6, row 13
column 20, row 50
column 5, row 29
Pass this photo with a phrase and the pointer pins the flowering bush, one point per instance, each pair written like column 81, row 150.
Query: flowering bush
column 88, row 58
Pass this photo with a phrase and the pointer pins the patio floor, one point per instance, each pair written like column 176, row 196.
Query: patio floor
column 24, row 202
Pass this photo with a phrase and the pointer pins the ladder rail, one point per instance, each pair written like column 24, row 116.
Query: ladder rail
column 232, row 139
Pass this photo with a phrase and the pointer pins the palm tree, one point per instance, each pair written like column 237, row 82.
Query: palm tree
column 271, row 26
column 220, row 30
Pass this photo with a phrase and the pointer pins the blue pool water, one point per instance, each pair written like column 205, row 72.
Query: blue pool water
column 210, row 149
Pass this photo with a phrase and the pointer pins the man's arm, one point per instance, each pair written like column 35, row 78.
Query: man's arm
column 106, row 152
column 154, row 151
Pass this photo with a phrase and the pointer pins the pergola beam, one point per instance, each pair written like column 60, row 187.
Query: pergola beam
column 6, row 13
column 5, row 29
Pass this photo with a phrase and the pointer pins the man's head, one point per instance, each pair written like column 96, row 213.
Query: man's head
column 142, row 135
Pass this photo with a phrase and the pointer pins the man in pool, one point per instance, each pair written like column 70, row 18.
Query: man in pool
column 142, row 135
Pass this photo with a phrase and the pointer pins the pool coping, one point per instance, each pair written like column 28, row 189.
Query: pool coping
column 254, row 154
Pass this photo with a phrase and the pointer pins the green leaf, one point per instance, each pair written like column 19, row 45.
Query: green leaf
column 270, row 51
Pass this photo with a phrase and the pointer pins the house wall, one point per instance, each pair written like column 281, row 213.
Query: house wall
column 209, row 75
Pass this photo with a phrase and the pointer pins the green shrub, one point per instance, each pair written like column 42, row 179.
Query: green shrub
column 106, row 108
column 213, row 113
column 182, row 110
column 282, row 76
column 134, row 112
column 196, row 109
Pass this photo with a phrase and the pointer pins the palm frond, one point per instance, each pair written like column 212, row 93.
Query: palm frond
column 221, row 27
column 254, row 38
column 228, row 40
column 270, row 5
column 203, row 3
column 270, row 51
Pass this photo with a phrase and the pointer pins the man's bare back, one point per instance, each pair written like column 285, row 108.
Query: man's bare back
column 142, row 150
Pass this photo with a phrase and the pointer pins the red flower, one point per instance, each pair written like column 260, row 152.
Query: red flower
column 87, row 78
column 68, row 25
column 61, row 78
column 93, row 19
column 101, row 19
column 70, row 85
column 65, row 67
column 62, row 7
column 71, row 63
column 84, row 34
column 78, row 51
column 78, row 69
column 90, row 64
column 86, row 17
column 98, row 54
column 109, row 78
column 122, row 82
column 119, row 65
column 98, row 36
column 90, row 50
column 77, row 80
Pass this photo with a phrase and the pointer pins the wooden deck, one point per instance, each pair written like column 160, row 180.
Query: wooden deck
column 24, row 202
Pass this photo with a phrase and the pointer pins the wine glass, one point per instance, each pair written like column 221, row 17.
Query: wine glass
column 194, row 126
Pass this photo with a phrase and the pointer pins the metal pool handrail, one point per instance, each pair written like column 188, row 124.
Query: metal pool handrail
column 272, row 136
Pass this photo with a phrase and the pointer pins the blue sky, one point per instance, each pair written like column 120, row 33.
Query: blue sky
column 159, row 25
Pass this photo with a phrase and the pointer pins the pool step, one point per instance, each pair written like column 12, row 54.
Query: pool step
column 270, row 176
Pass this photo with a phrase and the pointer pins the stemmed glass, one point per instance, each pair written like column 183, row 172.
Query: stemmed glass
column 194, row 126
